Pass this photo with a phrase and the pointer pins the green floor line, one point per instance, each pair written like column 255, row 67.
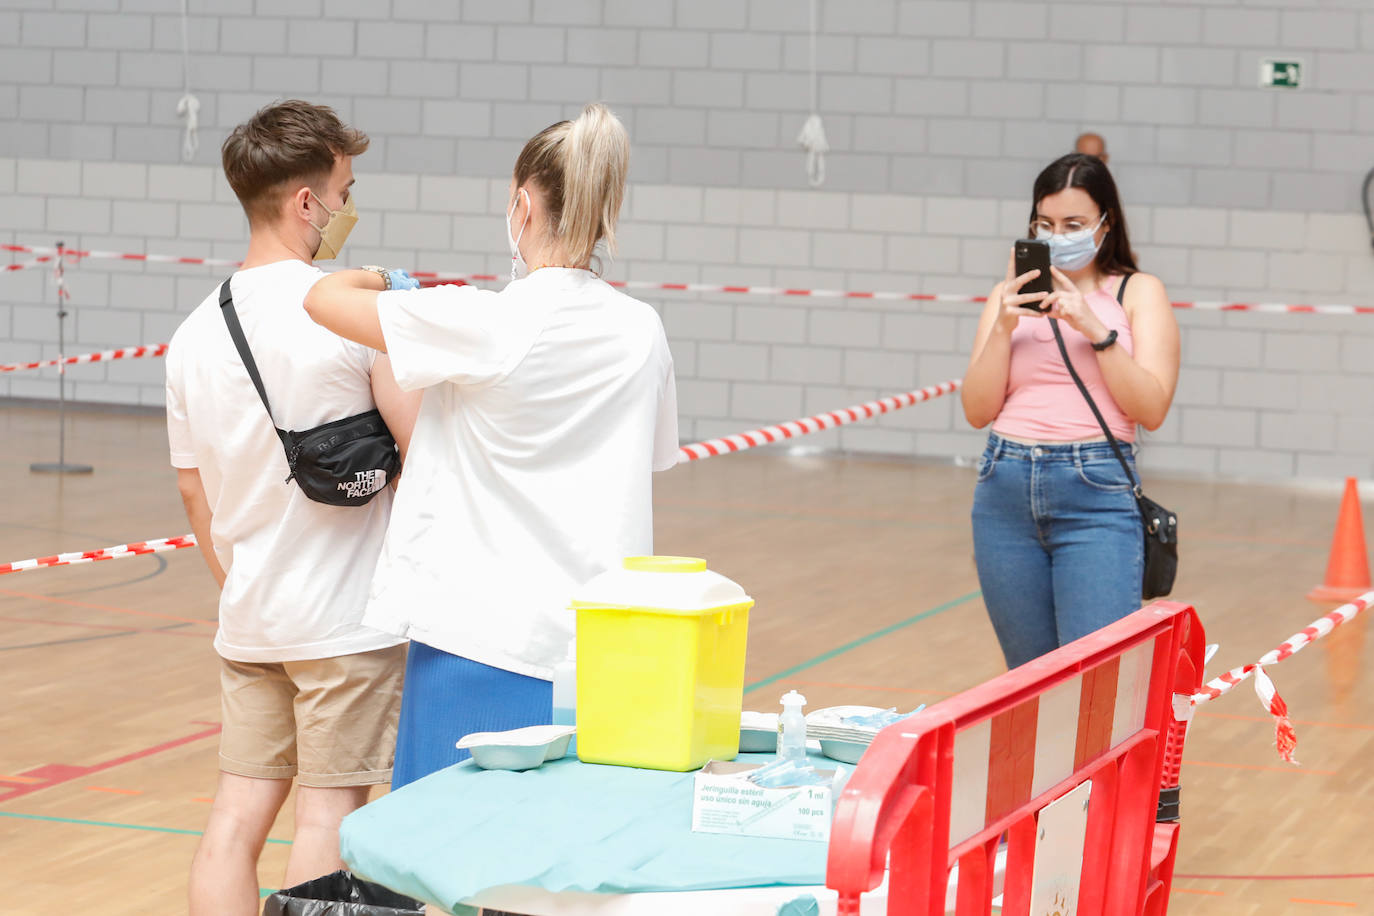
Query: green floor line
column 77, row 820
column 863, row 640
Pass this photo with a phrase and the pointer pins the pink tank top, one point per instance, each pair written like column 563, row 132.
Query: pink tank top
column 1042, row 403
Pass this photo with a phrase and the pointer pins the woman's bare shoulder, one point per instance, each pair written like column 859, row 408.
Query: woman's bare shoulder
column 1145, row 284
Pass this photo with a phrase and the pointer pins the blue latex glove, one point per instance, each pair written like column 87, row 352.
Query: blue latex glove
column 402, row 280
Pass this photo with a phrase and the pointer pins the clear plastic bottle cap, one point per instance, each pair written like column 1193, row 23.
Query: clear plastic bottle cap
column 792, row 698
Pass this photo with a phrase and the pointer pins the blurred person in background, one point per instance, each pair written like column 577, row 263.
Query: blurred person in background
column 1091, row 144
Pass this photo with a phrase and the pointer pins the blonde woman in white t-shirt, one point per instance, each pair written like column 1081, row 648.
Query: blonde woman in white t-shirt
column 546, row 408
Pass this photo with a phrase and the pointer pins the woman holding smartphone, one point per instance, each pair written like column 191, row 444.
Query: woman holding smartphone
column 1056, row 530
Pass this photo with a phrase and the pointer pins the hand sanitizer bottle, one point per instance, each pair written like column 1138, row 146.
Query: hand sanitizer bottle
column 792, row 735
column 565, row 693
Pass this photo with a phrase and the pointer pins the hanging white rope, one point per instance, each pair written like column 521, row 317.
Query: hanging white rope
column 188, row 106
column 812, row 136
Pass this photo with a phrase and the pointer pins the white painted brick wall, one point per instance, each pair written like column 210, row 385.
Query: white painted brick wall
column 939, row 113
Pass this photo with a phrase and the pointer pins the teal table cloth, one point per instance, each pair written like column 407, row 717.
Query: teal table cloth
column 564, row 826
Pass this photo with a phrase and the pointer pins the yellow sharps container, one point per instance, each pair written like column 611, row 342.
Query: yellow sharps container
column 660, row 664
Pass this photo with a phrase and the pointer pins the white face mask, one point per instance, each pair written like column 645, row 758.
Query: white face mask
column 518, row 267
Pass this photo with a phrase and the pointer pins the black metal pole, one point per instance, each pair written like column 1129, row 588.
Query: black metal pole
column 61, row 466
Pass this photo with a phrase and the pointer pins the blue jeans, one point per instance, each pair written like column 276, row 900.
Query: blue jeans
column 1057, row 541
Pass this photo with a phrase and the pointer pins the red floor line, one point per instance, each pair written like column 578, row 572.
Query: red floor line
column 1321, row 902
column 107, row 607
column 101, row 626
column 55, row 774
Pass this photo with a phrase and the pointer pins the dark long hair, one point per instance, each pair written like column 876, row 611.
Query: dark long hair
column 1079, row 170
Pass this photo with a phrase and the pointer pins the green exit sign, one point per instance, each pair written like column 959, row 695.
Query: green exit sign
column 1280, row 74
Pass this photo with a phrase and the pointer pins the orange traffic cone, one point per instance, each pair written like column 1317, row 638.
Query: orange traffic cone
column 1347, row 572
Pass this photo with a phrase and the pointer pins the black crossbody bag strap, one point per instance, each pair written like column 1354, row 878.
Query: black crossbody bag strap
column 231, row 318
column 1083, row 390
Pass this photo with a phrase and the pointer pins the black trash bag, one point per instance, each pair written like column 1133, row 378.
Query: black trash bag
column 340, row 894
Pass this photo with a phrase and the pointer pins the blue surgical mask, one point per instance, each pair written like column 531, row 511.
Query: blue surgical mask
column 1072, row 250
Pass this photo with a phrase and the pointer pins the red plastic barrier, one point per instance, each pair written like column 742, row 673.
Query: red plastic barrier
column 941, row 789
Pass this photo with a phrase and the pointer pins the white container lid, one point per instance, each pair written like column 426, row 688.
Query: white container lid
column 662, row 583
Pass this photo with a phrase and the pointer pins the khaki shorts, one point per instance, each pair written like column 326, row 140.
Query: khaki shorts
column 327, row 721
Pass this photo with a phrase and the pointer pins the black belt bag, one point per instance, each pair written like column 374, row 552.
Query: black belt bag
column 342, row 463
column 1159, row 524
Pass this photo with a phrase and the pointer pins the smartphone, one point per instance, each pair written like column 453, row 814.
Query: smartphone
column 1032, row 254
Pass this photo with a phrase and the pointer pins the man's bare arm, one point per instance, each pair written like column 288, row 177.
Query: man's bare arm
column 200, row 516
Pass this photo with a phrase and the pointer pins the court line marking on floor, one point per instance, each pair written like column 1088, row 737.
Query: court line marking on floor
column 1269, row 719
column 1260, row 767
column 88, row 823
column 101, row 626
column 1358, row 876
column 1189, row 890
column 56, row 774
column 863, row 641
column 63, row 532
column 119, row 583
column 1321, row 902
column 764, row 510
column 1254, row 540
column 107, row 607
column 66, row 642
column 836, row 684
column 121, row 632
column 161, row 568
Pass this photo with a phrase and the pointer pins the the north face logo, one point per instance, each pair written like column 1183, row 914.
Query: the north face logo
column 367, row 483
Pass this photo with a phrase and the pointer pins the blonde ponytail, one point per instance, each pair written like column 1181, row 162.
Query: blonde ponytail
column 596, row 156
column 580, row 166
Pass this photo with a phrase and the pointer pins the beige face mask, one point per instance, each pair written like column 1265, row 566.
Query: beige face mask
column 335, row 231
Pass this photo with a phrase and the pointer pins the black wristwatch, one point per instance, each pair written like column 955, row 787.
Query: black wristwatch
column 1105, row 342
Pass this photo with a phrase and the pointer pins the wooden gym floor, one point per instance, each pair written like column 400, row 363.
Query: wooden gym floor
column 866, row 593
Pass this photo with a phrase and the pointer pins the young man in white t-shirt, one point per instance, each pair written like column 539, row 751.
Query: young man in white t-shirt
column 307, row 691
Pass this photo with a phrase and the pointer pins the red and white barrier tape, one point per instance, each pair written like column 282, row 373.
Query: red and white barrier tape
column 136, row 549
column 82, row 254
column 813, row 424
column 25, row 265
column 432, row 277
column 1196, row 305
column 1285, row 737
column 146, row 350
column 788, row 430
